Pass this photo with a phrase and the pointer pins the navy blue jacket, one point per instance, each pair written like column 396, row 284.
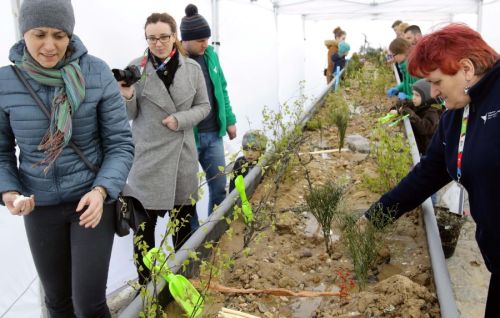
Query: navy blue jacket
column 338, row 61
column 100, row 129
column 480, row 166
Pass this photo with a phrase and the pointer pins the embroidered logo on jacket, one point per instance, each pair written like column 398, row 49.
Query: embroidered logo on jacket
column 490, row 115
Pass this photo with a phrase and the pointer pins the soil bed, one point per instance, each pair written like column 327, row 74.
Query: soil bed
column 291, row 253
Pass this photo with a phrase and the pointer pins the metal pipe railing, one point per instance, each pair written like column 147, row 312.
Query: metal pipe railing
column 216, row 225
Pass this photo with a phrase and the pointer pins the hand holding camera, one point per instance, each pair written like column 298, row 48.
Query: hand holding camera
column 130, row 75
column 126, row 78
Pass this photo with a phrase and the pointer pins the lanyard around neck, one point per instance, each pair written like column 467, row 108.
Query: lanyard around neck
column 461, row 142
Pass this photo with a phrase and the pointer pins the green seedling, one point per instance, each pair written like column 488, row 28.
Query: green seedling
column 179, row 286
column 239, row 183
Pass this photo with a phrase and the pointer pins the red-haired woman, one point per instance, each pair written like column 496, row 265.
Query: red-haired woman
column 464, row 71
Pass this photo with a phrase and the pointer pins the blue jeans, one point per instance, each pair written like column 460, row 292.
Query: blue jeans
column 211, row 157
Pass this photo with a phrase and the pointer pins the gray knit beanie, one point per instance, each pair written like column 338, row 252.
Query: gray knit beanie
column 193, row 25
column 254, row 139
column 57, row 14
column 423, row 87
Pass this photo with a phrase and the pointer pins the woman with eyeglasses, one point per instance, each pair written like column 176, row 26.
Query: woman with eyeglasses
column 164, row 106
column 75, row 152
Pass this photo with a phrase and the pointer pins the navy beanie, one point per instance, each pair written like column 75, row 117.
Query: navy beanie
column 193, row 25
column 57, row 14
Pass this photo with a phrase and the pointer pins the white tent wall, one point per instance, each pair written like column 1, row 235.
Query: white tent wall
column 248, row 57
column 19, row 285
column 8, row 33
column 491, row 24
column 291, row 59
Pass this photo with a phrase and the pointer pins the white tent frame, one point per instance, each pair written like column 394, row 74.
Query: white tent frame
column 381, row 9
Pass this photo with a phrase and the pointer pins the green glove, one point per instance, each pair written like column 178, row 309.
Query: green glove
column 239, row 183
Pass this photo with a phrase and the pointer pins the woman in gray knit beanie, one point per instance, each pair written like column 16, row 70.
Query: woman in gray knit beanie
column 57, row 14
column 63, row 195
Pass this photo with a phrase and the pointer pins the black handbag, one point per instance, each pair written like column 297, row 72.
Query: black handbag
column 129, row 212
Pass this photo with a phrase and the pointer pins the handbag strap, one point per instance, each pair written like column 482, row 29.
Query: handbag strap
column 42, row 106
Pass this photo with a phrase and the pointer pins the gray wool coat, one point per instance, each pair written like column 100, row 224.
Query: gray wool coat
column 165, row 168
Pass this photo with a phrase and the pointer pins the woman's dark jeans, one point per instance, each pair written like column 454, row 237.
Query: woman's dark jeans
column 72, row 261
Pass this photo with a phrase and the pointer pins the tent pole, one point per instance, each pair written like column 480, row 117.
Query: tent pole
column 479, row 15
column 304, row 26
column 215, row 25
column 16, row 4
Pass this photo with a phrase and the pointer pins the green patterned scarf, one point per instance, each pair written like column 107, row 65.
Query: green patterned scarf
column 69, row 95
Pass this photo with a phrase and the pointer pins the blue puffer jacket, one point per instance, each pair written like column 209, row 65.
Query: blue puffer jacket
column 100, row 129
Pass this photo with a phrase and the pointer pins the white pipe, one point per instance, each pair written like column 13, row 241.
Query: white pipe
column 440, row 272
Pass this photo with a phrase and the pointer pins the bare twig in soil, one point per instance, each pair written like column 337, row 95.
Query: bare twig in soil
column 270, row 291
column 231, row 313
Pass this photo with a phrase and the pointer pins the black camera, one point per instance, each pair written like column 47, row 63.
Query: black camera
column 129, row 75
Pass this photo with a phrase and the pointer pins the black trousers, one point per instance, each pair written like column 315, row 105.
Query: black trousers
column 72, row 261
column 184, row 231
column 493, row 300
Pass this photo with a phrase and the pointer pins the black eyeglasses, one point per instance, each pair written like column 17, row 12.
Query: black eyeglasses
column 163, row 39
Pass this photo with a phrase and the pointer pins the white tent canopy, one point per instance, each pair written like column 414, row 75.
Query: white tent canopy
column 381, row 9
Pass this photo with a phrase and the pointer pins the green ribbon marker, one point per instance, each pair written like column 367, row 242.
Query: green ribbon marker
column 239, row 183
column 386, row 118
column 179, row 286
column 394, row 123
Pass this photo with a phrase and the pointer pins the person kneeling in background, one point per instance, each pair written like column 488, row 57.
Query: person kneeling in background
column 339, row 57
column 424, row 117
column 254, row 145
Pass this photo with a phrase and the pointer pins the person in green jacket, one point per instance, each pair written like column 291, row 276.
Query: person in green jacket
column 399, row 49
column 195, row 33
